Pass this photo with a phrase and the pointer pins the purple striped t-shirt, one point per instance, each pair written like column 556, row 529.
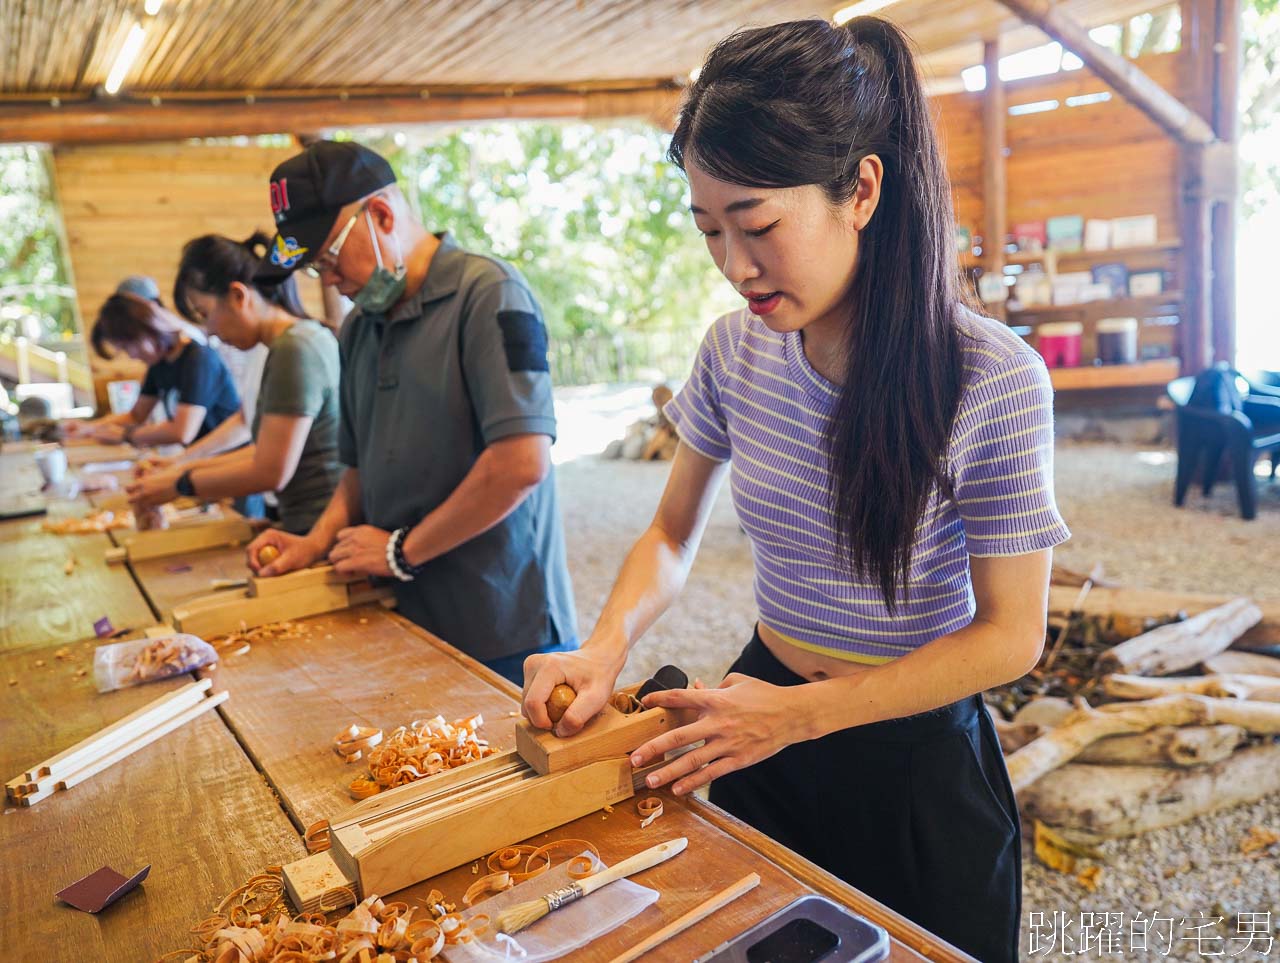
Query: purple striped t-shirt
column 753, row 398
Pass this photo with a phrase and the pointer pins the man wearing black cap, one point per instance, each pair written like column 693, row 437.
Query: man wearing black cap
column 447, row 417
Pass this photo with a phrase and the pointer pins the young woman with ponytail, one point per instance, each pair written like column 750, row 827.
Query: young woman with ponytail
column 889, row 453
column 295, row 426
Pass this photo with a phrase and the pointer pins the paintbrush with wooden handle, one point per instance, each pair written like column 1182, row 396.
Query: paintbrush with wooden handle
column 516, row 918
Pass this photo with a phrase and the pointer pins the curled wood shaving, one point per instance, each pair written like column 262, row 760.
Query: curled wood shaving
column 409, row 753
column 253, row 924
column 101, row 521
column 486, row 885
column 650, row 807
column 316, row 837
column 626, row 703
column 580, row 867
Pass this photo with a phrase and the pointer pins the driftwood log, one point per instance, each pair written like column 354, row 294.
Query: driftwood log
column 1089, row 803
column 1166, row 746
column 1162, row 746
column 1261, row 688
column 1087, row 725
column 1180, row 645
column 1246, row 663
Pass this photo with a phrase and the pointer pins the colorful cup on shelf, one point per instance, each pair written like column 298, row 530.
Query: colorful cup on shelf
column 1059, row 343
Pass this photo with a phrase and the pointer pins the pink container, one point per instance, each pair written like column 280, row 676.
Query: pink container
column 1059, row 343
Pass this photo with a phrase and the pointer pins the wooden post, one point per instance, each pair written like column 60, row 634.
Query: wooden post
column 994, row 192
column 1226, row 209
column 1210, row 63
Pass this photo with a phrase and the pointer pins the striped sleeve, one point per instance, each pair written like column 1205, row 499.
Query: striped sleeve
column 1002, row 461
column 696, row 411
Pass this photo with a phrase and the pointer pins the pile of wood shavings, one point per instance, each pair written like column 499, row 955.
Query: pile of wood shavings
column 163, row 658
column 239, row 643
column 101, row 521
column 409, row 753
column 253, row 924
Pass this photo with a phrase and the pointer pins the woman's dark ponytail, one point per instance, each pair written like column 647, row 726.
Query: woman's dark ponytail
column 212, row 263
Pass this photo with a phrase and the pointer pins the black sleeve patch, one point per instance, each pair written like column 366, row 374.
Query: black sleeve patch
column 524, row 338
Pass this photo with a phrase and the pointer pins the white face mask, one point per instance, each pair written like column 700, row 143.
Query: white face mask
column 383, row 289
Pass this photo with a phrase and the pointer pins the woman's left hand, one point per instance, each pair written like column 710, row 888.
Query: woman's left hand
column 361, row 550
column 742, row 722
column 155, row 489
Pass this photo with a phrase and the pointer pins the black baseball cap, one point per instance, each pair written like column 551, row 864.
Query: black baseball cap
column 308, row 191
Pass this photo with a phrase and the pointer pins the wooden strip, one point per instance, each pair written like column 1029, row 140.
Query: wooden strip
column 105, row 762
column 695, row 915
column 132, row 724
column 495, row 766
column 148, row 737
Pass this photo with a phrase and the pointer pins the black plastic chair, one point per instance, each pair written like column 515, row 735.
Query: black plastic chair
column 1222, row 413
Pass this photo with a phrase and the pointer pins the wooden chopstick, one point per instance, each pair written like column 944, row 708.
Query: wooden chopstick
column 695, row 915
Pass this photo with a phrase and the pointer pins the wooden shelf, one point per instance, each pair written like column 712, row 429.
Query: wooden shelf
column 1143, row 374
column 1111, row 307
column 1100, row 257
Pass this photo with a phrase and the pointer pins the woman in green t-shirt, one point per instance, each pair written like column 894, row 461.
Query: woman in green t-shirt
column 295, row 428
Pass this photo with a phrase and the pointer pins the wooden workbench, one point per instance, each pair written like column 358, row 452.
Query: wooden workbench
column 198, row 804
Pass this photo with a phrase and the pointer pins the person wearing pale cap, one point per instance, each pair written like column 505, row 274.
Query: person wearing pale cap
column 447, row 416
column 140, row 286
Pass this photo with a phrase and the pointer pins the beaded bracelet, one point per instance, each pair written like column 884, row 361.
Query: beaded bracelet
column 395, row 555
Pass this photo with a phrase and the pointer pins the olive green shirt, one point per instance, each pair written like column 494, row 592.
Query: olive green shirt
column 300, row 378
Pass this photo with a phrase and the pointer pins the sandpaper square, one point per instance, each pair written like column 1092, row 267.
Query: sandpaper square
column 100, row 889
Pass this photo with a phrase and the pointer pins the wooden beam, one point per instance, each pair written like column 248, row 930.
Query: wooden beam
column 1120, row 74
column 995, row 197
column 125, row 120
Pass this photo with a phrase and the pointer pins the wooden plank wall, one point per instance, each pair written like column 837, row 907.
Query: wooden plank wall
column 128, row 209
column 1099, row 160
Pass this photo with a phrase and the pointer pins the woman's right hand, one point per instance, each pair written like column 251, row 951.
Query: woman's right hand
column 296, row 551
column 591, row 671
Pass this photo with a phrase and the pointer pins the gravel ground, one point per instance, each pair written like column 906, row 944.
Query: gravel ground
column 1117, row 501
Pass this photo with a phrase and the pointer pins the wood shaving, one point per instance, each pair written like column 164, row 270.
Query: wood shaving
column 253, row 923
column 1258, row 840
column 316, row 837
column 487, row 885
column 650, row 807
column 101, row 521
column 421, row 749
column 1088, row 878
column 70, row 566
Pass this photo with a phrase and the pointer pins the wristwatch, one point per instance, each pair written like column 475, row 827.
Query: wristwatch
column 184, row 486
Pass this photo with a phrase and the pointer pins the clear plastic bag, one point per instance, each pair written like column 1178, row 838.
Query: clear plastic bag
column 122, row 664
column 558, row 933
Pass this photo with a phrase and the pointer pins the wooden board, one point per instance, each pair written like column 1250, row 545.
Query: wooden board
column 366, row 665
column 190, row 804
column 1143, row 603
column 169, row 583
column 40, row 603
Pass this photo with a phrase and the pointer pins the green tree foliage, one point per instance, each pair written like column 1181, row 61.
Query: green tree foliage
column 595, row 217
column 1260, row 104
column 35, row 299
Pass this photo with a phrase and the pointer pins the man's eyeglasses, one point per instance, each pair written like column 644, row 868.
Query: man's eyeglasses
column 328, row 261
